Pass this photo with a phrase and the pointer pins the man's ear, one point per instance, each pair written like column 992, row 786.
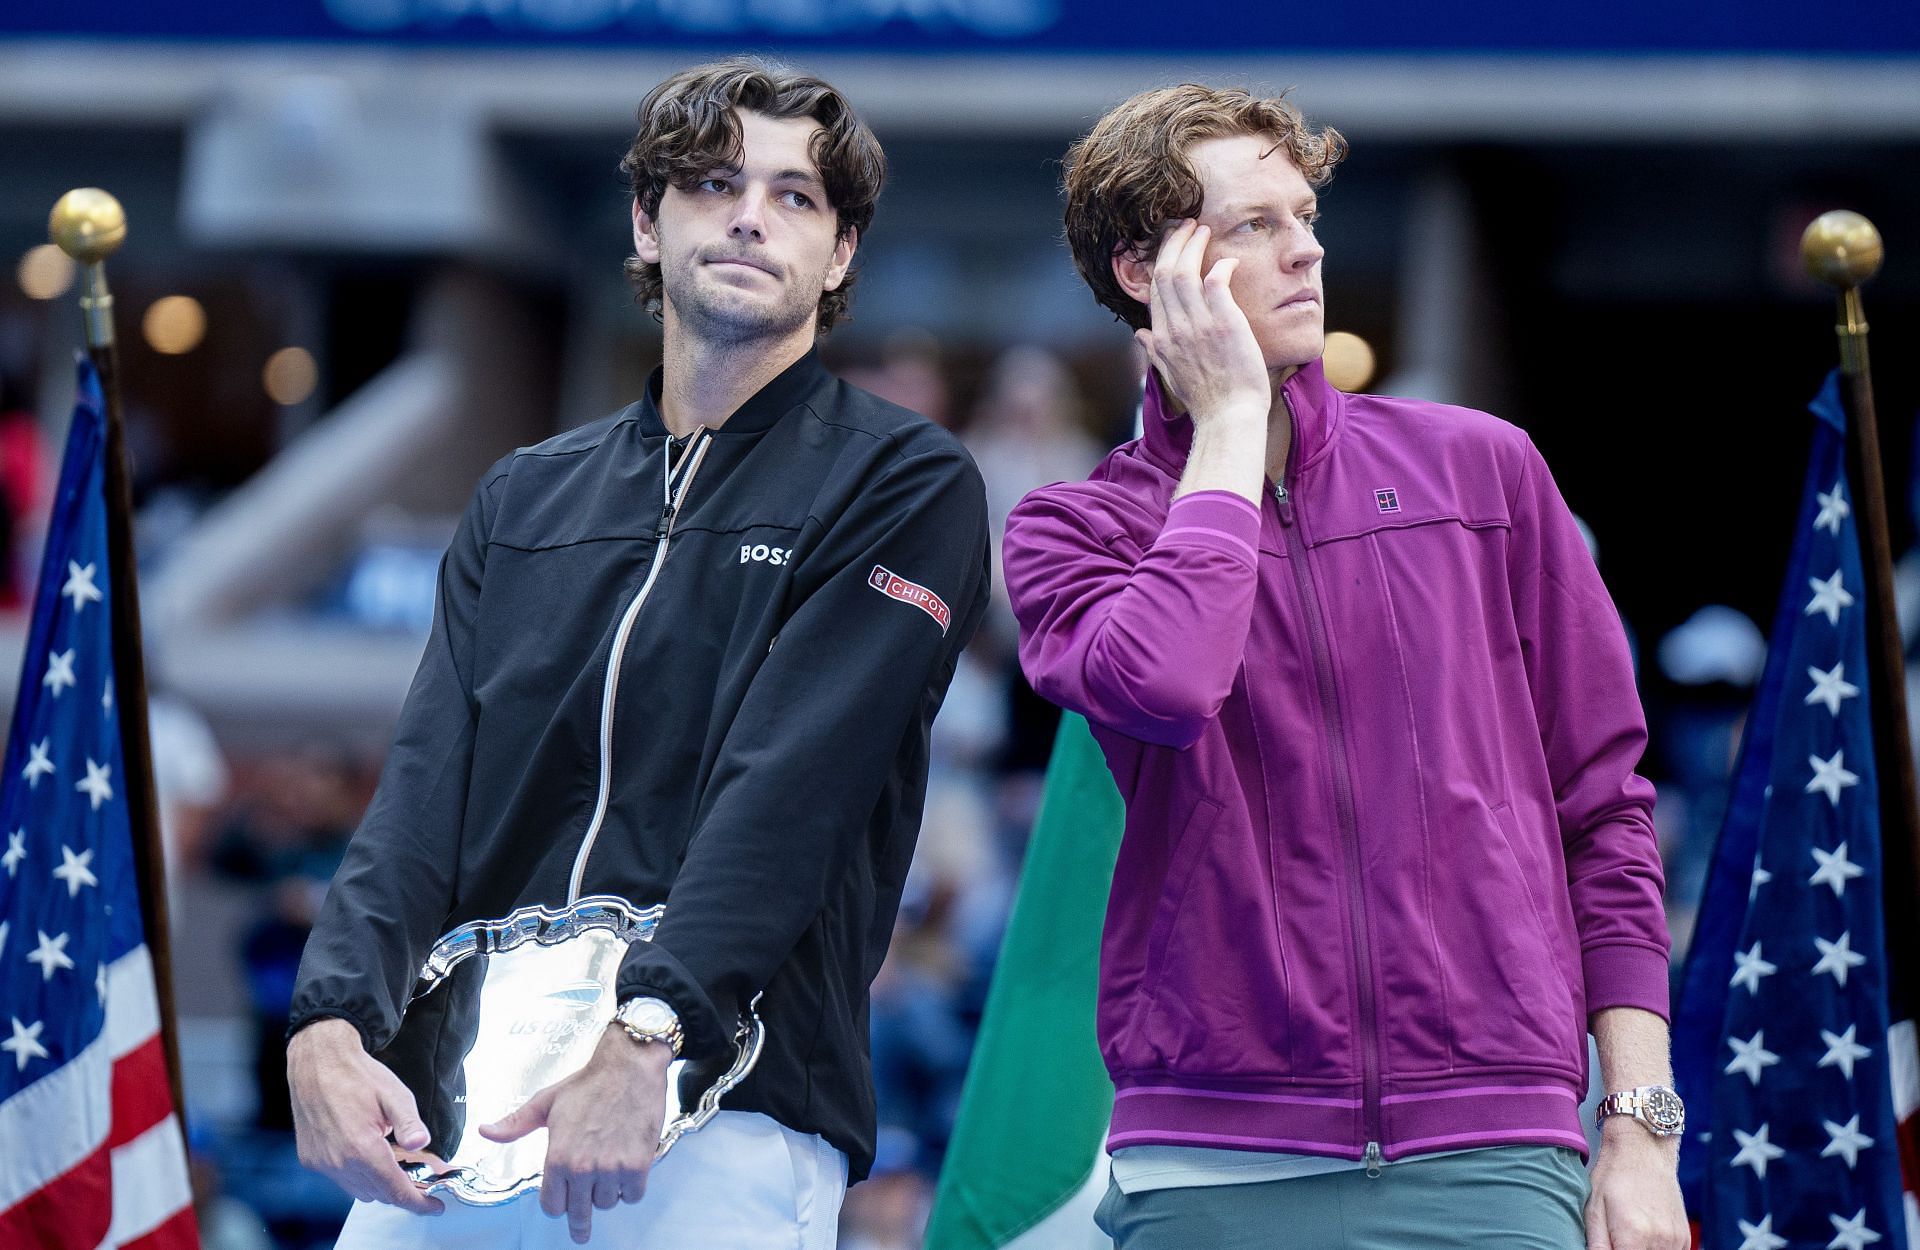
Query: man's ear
column 1133, row 273
column 843, row 250
column 646, row 236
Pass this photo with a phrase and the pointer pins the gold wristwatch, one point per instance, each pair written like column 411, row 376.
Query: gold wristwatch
column 651, row 1020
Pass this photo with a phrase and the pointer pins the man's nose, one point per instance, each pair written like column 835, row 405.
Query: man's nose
column 750, row 216
column 1303, row 249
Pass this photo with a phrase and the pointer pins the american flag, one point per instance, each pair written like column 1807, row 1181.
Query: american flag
column 91, row 1151
column 1795, row 1081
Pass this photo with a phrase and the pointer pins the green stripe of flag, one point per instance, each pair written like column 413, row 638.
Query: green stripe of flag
column 1037, row 1101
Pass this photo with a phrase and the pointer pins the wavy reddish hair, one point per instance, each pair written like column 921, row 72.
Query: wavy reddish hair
column 1130, row 177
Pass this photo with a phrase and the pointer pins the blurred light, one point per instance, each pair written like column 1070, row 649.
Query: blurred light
column 174, row 325
column 1349, row 360
column 45, row 272
column 290, row 375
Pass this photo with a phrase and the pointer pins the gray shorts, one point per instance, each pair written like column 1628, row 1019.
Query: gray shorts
column 1509, row 1198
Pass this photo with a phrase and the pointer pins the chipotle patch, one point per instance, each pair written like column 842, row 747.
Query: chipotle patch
column 894, row 586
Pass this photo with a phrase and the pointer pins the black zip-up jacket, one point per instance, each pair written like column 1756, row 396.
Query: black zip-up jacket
column 767, row 761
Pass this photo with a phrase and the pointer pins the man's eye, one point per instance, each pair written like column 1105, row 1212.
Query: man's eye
column 712, row 184
column 799, row 199
column 1310, row 220
column 1250, row 225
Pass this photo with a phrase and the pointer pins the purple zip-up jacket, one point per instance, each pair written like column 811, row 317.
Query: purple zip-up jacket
column 1386, row 850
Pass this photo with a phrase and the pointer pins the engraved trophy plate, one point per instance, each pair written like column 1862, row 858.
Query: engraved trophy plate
column 531, row 994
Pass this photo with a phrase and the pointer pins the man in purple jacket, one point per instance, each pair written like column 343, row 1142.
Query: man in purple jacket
column 1387, row 860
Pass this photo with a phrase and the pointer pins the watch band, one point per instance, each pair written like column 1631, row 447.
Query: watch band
column 1657, row 1108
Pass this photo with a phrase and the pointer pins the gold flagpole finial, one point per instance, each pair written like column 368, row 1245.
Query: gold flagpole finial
column 88, row 225
column 1842, row 250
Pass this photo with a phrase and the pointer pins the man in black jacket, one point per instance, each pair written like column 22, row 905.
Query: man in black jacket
column 687, row 654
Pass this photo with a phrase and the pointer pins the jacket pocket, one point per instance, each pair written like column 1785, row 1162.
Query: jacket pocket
column 1501, row 955
column 1213, row 996
column 1186, row 853
column 1503, row 822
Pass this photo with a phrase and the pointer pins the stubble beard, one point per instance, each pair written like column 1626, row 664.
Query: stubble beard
column 731, row 317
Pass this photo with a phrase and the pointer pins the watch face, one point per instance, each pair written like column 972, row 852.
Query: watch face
column 648, row 1015
column 1665, row 1111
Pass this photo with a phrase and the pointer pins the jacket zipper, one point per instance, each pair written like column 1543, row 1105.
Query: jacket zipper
column 671, row 499
column 1349, row 828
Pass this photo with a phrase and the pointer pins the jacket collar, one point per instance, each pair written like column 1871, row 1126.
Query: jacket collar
column 1317, row 410
column 767, row 405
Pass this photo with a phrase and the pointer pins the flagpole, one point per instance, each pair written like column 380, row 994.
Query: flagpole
column 89, row 225
column 1842, row 250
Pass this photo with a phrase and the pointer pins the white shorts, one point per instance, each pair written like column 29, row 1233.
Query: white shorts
column 744, row 1182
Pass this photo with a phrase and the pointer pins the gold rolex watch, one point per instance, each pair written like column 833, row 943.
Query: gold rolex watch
column 651, row 1020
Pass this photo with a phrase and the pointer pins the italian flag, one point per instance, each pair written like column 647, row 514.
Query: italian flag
column 1027, row 1164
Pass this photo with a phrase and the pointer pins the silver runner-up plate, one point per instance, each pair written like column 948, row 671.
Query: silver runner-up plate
column 529, row 996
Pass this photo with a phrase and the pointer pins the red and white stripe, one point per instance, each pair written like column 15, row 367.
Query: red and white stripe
column 95, row 1157
column 1903, row 1063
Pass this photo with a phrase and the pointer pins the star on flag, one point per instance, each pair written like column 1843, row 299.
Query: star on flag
column 59, row 671
column 51, row 955
column 96, row 787
column 25, row 1042
column 1852, row 1234
column 1843, row 1051
column 74, row 871
column 80, row 585
column 1835, row 869
column 1755, row 1151
column 1829, row 596
column 39, row 762
column 1751, row 1056
column 1761, row 1236
column 1751, row 968
column 1830, row 687
column 1833, row 508
column 1830, row 777
column 1837, row 957
column 1847, row 1140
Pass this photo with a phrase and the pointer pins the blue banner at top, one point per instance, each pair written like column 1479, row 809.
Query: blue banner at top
column 1771, row 27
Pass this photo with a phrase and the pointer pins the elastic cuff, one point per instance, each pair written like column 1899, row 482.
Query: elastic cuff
column 1215, row 518
column 303, row 1019
column 651, row 971
column 1626, row 976
column 1231, row 498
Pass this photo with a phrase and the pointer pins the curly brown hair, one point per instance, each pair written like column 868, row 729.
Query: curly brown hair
column 688, row 129
column 1130, row 177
